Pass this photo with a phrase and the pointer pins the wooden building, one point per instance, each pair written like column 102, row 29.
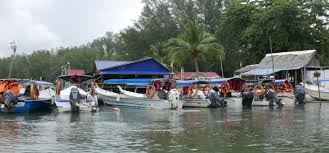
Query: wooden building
column 292, row 66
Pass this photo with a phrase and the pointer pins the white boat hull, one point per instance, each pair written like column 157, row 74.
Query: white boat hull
column 286, row 101
column 196, row 103
column 67, row 107
column 312, row 90
column 114, row 99
column 63, row 104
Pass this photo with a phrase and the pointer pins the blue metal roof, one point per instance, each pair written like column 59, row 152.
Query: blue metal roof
column 147, row 66
column 100, row 65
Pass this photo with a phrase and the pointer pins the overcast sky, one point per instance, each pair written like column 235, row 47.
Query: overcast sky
column 45, row 24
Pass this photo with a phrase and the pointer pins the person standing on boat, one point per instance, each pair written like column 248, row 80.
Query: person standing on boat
column 299, row 93
column 215, row 98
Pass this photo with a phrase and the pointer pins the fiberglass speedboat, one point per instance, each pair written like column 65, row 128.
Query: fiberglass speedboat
column 75, row 93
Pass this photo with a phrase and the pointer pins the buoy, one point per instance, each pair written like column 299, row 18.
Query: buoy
column 116, row 109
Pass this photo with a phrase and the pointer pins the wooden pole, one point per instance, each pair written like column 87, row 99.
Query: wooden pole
column 317, row 80
column 221, row 66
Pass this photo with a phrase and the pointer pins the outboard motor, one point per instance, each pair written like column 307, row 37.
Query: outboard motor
column 299, row 92
column 174, row 99
column 215, row 99
column 271, row 96
column 247, row 97
column 162, row 94
column 10, row 101
column 75, row 98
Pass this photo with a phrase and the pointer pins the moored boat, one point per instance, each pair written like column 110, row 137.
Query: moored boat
column 25, row 96
column 317, row 93
column 201, row 94
column 269, row 92
column 75, row 93
column 273, row 92
column 159, row 94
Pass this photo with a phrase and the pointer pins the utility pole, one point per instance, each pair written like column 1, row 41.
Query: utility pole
column 13, row 46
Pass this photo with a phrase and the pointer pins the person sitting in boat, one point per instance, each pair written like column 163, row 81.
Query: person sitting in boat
column 27, row 92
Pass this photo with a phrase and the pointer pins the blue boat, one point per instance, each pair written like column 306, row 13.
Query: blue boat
column 28, row 99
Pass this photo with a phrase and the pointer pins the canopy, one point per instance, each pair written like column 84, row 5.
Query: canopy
column 30, row 82
column 194, row 82
column 40, row 83
column 139, row 81
column 267, row 81
column 262, row 71
column 77, row 78
column 324, row 79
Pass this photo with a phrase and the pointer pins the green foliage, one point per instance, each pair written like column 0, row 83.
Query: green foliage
column 194, row 43
column 292, row 25
column 159, row 50
column 317, row 74
column 242, row 27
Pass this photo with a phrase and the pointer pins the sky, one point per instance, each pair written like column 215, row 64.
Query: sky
column 46, row 24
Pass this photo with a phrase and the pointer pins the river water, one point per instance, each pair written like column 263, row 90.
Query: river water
column 231, row 129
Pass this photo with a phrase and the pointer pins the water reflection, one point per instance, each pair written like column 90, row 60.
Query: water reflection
column 231, row 129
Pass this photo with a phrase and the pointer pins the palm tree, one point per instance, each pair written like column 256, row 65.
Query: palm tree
column 158, row 51
column 196, row 43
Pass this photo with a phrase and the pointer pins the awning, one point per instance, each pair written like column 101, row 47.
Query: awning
column 324, row 79
column 266, row 81
column 262, row 71
column 194, row 82
column 77, row 78
column 40, row 83
column 144, row 81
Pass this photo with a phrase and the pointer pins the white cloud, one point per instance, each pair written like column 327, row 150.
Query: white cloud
column 40, row 24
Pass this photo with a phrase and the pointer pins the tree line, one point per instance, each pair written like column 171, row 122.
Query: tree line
column 196, row 35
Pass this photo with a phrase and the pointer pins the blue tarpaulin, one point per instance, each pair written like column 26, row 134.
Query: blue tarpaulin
column 193, row 82
column 266, row 81
column 324, row 80
column 143, row 81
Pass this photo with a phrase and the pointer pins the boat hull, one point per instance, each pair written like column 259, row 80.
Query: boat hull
column 286, row 101
column 65, row 106
column 315, row 95
column 29, row 106
column 138, row 102
column 86, row 103
column 196, row 103
column 313, row 91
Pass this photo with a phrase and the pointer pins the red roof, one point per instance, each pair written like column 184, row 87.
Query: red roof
column 192, row 75
column 74, row 72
